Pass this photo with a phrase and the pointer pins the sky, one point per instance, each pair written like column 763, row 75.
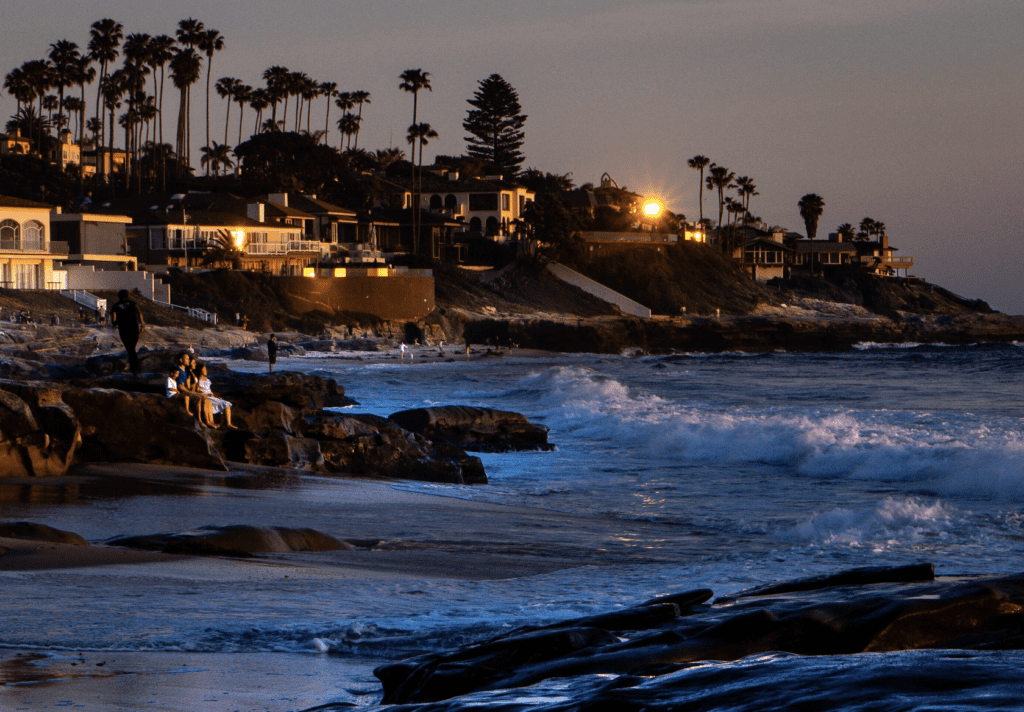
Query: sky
column 910, row 112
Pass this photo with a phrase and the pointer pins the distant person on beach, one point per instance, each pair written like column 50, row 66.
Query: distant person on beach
column 272, row 351
column 126, row 316
column 217, row 405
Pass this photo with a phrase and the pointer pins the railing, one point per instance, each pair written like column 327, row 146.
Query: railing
column 24, row 245
column 196, row 313
column 59, row 248
column 86, row 299
column 266, row 248
column 303, row 246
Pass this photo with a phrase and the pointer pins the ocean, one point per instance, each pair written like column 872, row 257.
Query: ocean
column 719, row 471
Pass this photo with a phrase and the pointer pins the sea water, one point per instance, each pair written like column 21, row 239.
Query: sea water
column 683, row 471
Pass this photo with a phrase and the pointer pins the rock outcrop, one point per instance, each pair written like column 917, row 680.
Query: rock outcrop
column 475, row 429
column 865, row 610
column 238, row 540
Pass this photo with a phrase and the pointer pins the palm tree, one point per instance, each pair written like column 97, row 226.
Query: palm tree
column 277, row 79
column 242, row 96
column 161, row 51
column 811, row 207
column 85, row 73
column 259, row 100
column 17, row 86
column 384, row 157
column 845, row 232
column 104, row 40
column 210, row 42
column 867, row 229
column 190, row 32
column 226, row 88
column 186, row 68
column 699, row 163
column 721, row 179
column 65, row 57
column 413, row 81
column 348, row 125
column 746, row 189
column 421, row 133
column 39, row 79
column 216, row 157
column 360, row 98
column 328, row 89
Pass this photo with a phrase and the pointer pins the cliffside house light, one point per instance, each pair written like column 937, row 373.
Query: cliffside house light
column 652, row 208
column 238, row 236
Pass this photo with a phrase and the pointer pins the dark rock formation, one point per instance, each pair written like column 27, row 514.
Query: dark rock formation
column 867, row 610
column 40, row 532
column 475, row 429
column 239, row 540
column 47, row 426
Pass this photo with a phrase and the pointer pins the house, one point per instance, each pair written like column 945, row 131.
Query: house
column 14, row 144
column 767, row 257
column 66, row 152
column 179, row 231
column 329, row 224
column 26, row 253
column 102, row 160
column 488, row 207
column 878, row 257
column 93, row 239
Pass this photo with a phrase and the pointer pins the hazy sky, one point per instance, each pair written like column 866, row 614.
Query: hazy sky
column 907, row 111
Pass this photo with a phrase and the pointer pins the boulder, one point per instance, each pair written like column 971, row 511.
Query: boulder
column 35, row 444
column 40, row 532
column 125, row 427
column 369, row 445
column 477, row 429
column 238, row 540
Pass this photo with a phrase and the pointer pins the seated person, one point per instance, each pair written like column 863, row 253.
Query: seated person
column 217, row 405
column 186, row 381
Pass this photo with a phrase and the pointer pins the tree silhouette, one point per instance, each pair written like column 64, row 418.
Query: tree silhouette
column 104, row 42
column 496, row 124
column 419, row 133
column 360, row 98
column 720, row 179
column 699, row 163
column 209, row 42
column 413, row 82
column 226, row 88
column 811, row 207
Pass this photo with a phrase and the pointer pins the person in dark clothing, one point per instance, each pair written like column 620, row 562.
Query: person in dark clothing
column 272, row 351
column 125, row 315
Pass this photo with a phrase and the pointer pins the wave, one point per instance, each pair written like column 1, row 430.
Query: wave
column 941, row 453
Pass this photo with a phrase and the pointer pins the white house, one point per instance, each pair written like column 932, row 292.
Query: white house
column 26, row 253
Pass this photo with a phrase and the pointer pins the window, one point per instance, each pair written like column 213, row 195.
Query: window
column 474, row 225
column 506, row 201
column 451, row 203
column 10, row 235
column 483, row 201
column 492, row 225
column 35, row 236
column 435, row 202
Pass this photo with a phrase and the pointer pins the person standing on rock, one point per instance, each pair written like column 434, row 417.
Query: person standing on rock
column 126, row 316
column 272, row 351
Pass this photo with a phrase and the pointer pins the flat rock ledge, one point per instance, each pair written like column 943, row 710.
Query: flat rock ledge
column 475, row 429
column 863, row 610
column 48, row 426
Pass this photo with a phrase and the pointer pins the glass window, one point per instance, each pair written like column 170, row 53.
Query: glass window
column 10, row 235
column 506, row 201
column 35, row 235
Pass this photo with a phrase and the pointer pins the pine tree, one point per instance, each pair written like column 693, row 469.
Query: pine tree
column 496, row 123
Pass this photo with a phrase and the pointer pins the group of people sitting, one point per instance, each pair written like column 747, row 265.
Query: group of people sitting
column 189, row 381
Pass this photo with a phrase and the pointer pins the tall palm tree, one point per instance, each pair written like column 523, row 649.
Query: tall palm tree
column 85, row 73
column 414, row 81
column 360, row 97
column 276, row 78
column 17, row 85
column 211, row 41
column 186, row 69
column 867, row 228
column 699, row 163
column 328, row 89
column 104, row 40
column 161, row 52
column 226, row 88
column 811, row 207
column 384, row 157
column 418, row 133
column 845, row 232
column 720, row 179
column 242, row 96
column 38, row 75
column 746, row 189
column 64, row 57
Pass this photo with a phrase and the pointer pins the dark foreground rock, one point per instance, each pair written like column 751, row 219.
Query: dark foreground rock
column 865, row 610
column 239, row 540
column 475, row 429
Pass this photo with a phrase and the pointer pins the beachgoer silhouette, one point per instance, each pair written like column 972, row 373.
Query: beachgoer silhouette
column 126, row 316
column 272, row 351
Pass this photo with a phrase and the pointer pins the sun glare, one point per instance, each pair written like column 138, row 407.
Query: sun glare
column 652, row 208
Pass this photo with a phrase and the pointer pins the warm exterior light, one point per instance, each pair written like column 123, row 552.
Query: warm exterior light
column 652, row 208
column 239, row 238
column 309, row 271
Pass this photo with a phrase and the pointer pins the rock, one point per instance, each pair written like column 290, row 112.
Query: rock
column 238, row 540
column 478, row 429
column 123, row 427
column 280, row 449
column 35, row 446
column 368, row 445
column 858, row 611
column 40, row 532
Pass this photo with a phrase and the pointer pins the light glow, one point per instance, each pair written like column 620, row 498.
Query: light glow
column 652, row 208
column 239, row 238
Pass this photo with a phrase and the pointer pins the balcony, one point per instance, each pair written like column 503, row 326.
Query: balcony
column 34, row 246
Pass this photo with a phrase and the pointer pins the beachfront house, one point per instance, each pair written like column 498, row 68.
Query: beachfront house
column 26, row 252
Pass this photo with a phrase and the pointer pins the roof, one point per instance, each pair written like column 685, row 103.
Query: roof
column 318, row 207
column 7, row 201
column 276, row 210
column 435, row 184
column 818, row 246
column 768, row 241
